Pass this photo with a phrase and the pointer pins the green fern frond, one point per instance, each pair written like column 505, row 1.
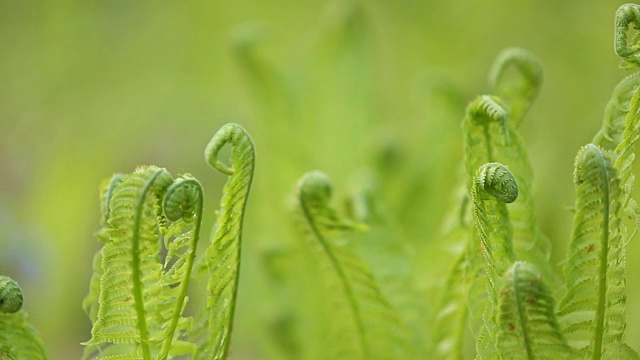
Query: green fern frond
column 90, row 302
column 140, row 301
column 493, row 187
column 516, row 77
column 368, row 326
column 491, row 137
column 527, row 326
column 18, row 340
column 223, row 254
column 627, row 14
column 593, row 309
column 451, row 320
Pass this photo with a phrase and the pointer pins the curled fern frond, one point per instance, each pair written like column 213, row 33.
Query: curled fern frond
column 485, row 126
column 495, row 179
column 593, row 309
column 140, row 300
column 516, row 77
column 486, row 108
column 527, row 325
column 368, row 327
column 223, row 255
column 628, row 14
column 18, row 340
column 10, row 295
column 493, row 187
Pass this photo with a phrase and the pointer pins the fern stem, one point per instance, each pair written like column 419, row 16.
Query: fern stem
column 487, row 136
column 602, row 285
column 135, row 264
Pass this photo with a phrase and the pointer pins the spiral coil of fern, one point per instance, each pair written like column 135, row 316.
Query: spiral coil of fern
column 494, row 186
column 627, row 14
column 10, row 295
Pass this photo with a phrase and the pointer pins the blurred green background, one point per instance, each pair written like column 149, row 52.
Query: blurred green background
column 88, row 88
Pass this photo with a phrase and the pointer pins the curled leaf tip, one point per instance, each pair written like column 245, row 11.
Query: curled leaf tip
column 315, row 185
column 486, row 108
column 496, row 180
column 10, row 295
column 627, row 14
column 528, row 67
column 182, row 198
column 229, row 133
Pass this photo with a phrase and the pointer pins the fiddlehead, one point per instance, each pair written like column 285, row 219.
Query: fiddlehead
column 10, row 295
column 494, row 186
column 496, row 180
column 516, row 77
column 486, row 124
column 223, row 255
column 628, row 14
column 18, row 340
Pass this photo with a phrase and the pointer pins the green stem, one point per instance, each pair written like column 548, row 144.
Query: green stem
column 602, row 285
column 135, row 263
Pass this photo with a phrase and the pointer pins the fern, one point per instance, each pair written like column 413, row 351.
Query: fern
column 516, row 77
column 223, row 255
column 151, row 226
column 526, row 320
column 141, row 299
column 359, row 308
column 18, row 340
column 493, row 187
column 593, row 308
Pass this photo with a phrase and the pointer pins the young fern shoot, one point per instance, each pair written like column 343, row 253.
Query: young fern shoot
column 223, row 255
column 151, row 228
column 18, row 340
column 140, row 300
column 520, row 322
column 370, row 328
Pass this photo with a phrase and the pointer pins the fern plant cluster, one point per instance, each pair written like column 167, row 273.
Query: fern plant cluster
column 158, row 292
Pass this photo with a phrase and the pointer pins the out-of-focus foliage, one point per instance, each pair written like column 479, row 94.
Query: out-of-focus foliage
column 372, row 93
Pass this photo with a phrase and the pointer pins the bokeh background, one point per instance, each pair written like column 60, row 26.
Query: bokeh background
column 89, row 88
